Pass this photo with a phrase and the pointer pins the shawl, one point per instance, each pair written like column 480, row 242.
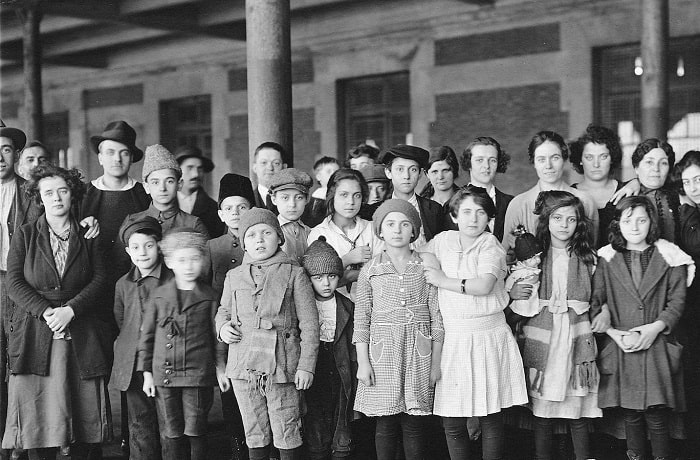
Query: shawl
column 538, row 330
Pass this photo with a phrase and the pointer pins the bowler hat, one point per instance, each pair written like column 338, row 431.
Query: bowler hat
column 119, row 131
column 185, row 151
column 409, row 152
column 18, row 137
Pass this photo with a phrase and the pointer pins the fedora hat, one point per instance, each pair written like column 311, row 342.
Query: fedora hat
column 119, row 131
column 18, row 137
column 185, row 151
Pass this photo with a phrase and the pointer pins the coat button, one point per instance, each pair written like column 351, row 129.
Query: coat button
column 167, row 363
column 166, row 381
column 235, row 245
column 641, row 307
column 12, row 328
column 168, row 345
column 168, row 371
column 233, row 261
column 169, row 336
column 287, row 335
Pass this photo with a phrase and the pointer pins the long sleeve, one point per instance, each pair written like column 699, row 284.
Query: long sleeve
column 147, row 338
column 307, row 314
column 20, row 291
column 675, row 297
column 84, row 302
column 119, row 304
column 599, row 294
column 363, row 307
column 437, row 330
column 223, row 313
column 690, row 230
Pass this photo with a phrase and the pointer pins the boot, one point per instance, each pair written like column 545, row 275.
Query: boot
column 239, row 451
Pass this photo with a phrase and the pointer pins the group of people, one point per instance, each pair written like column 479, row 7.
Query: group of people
column 352, row 316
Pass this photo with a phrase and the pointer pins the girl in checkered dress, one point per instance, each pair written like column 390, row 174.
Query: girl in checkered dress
column 398, row 335
column 481, row 368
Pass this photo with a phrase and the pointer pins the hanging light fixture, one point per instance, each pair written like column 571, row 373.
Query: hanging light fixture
column 680, row 68
column 638, row 70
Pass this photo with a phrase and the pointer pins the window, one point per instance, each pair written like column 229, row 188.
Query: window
column 374, row 109
column 186, row 121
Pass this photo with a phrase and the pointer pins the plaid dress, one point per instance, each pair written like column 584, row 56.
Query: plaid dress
column 398, row 315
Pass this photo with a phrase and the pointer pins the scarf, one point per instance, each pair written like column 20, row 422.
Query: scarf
column 538, row 330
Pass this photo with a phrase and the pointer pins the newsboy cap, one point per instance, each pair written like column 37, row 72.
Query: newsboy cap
column 291, row 178
column 132, row 225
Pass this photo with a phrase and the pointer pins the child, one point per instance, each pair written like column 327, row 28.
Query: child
column 642, row 279
column 398, row 335
column 162, row 180
column 480, row 369
column 377, row 183
column 226, row 253
column 289, row 192
column 361, row 155
column 316, row 209
column 350, row 235
column 140, row 237
column 528, row 252
column 269, row 319
column 559, row 349
column 330, row 398
column 177, row 348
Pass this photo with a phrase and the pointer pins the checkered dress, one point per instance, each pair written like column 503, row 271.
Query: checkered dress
column 398, row 315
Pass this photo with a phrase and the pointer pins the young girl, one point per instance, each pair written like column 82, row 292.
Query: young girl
column 350, row 235
column 397, row 328
column 559, row 350
column 481, row 369
column 643, row 281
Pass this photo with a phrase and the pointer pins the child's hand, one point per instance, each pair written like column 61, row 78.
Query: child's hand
column 601, row 323
column 359, row 255
column 435, row 373
column 365, row 374
column 434, row 276
column 224, row 382
column 58, row 318
column 619, row 337
column 148, row 386
column 303, row 379
column 647, row 335
column 521, row 291
column 230, row 332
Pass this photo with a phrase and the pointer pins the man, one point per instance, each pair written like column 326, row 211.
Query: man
column 269, row 158
column 34, row 154
column 192, row 198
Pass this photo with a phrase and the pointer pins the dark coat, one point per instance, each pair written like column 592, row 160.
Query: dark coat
column 207, row 210
column 130, row 298
column 23, row 209
column 174, row 218
column 689, row 326
column 223, row 254
column 432, row 217
column 177, row 341
column 34, row 285
column 646, row 378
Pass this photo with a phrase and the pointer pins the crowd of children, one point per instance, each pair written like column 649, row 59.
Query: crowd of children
column 365, row 307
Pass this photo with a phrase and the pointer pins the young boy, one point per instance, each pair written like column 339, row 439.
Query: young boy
column 140, row 237
column 331, row 396
column 289, row 191
column 316, row 209
column 177, row 348
column 361, row 156
column 162, row 180
column 269, row 319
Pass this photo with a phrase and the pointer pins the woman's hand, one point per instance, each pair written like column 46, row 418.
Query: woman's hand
column 631, row 188
column 359, row 255
column 58, row 318
column 434, row 276
column 93, row 227
column 647, row 335
column 601, row 323
column 223, row 381
column 148, row 386
column 365, row 374
column 520, row 291
column 303, row 379
column 230, row 333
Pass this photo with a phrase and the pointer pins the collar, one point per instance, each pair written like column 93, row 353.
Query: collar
column 135, row 273
column 10, row 183
column 100, row 184
column 284, row 221
column 279, row 257
column 264, row 191
column 163, row 215
column 413, row 199
column 490, row 190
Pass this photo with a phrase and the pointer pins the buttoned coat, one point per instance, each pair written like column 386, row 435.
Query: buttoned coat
column 177, row 341
column 206, row 208
column 223, row 254
column 646, row 378
column 35, row 285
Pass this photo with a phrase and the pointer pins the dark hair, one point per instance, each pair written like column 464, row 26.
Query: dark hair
column 581, row 243
column 362, row 150
column 691, row 157
column 596, row 135
column 149, row 232
column 478, row 194
column 502, row 156
column 73, row 179
column 647, row 146
column 546, row 136
column 615, row 237
column 274, row 146
column 36, row 144
column 446, row 154
column 325, row 161
column 334, row 180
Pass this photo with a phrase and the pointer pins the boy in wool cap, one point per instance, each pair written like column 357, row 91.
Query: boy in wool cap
column 289, row 192
column 328, row 417
column 270, row 321
column 162, row 180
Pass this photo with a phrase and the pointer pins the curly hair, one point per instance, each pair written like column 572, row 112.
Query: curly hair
column 648, row 145
column 362, row 150
column 480, row 197
column 547, row 136
column 334, row 180
column 691, row 157
column 502, row 156
column 596, row 135
column 581, row 243
column 446, row 154
column 615, row 237
column 73, row 178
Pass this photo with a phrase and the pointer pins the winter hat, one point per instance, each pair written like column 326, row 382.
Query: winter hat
column 182, row 238
column 395, row 205
column 132, row 225
column 291, row 178
column 526, row 245
column 256, row 216
column 236, row 185
column 158, row 157
column 321, row 259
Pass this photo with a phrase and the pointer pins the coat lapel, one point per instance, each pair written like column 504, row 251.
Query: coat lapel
column 21, row 203
column 44, row 244
column 342, row 316
column 619, row 270
column 74, row 245
column 654, row 272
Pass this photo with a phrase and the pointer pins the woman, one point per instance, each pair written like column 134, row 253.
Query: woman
column 597, row 155
column 442, row 171
column 59, row 335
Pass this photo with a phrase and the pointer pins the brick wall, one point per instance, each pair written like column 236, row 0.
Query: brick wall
column 510, row 115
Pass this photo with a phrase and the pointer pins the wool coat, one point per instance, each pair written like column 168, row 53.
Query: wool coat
column 653, row 377
column 35, row 285
column 23, row 209
column 431, row 216
column 223, row 254
column 206, row 208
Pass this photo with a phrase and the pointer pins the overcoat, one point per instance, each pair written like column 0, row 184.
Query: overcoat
column 205, row 207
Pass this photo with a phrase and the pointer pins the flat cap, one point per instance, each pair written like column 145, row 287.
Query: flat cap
column 374, row 173
column 291, row 178
column 409, row 152
column 132, row 225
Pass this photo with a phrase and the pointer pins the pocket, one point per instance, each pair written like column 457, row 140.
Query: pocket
column 608, row 358
column 424, row 345
column 376, row 350
column 674, row 350
column 15, row 332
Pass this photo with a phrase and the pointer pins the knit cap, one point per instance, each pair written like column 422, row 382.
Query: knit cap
column 256, row 216
column 526, row 245
column 321, row 259
column 182, row 238
column 158, row 157
column 132, row 225
column 395, row 205
column 291, row 178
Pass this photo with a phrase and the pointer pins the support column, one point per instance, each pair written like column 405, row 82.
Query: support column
column 33, row 103
column 655, row 63
column 269, row 74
